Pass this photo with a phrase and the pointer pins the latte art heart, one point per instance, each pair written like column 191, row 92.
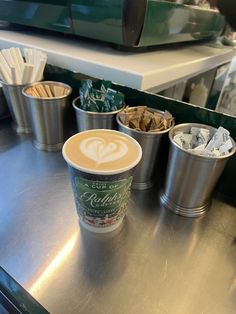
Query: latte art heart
column 101, row 151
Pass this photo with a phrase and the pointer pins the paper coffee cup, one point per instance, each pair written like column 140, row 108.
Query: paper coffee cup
column 100, row 165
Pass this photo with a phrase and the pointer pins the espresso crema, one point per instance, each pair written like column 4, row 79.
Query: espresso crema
column 102, row 151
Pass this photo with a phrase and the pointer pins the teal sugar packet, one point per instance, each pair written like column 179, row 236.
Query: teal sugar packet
column 103, row 100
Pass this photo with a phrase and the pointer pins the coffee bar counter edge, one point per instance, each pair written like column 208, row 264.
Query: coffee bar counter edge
column 150, row 71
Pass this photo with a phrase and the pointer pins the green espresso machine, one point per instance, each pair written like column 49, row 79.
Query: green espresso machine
column 128, row 23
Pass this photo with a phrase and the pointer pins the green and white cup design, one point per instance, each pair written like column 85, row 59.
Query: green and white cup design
column 100, row 164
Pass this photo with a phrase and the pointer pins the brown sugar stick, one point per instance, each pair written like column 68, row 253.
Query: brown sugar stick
column 34, row 92
column 66, row 91
column 56, row 91
column 42, row 86
column 53, row 88
column 45, row 90
column 63, row 91
column 48, row 89
column 60, row 91
column 31, row 92
column 40, row 91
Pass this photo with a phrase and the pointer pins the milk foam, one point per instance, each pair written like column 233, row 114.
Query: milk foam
column 101, row 151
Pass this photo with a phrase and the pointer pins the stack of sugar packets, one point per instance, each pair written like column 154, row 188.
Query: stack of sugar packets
column 16, row 70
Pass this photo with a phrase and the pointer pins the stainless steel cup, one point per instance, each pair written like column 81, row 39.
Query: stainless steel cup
column 87, row 120
column 47, row 116
column 18, row 107
column 150, row 142
column 191, row 179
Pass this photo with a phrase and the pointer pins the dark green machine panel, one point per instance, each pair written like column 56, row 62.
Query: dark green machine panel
column 98, row 19
column 52, row 15
column 167, row 22
column 116, row 21
column 130, row 23
column 145, row 22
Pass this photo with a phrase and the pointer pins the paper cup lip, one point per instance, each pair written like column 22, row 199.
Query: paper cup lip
column 178, row 127
column 103, row 172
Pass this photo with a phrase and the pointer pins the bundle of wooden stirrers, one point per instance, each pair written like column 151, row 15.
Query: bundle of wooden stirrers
column 47, row 91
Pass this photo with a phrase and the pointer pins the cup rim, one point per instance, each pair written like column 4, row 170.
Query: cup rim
column 103, row 172
column 19, row 85
column 93, row 112
column 143, row 132
column 199, row 125
column 26, row 86
column 12, row 85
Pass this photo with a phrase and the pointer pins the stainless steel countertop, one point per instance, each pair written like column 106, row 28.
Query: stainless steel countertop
column 157, row 262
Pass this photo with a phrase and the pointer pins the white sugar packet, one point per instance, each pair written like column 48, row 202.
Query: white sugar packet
column 204, row 136
column 183, row 140
column 220, row 137
column 200, row 136
column 199, row 143
column 225, row 148
column 199, row 150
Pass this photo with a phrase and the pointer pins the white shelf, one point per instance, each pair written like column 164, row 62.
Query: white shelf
column 153, row 70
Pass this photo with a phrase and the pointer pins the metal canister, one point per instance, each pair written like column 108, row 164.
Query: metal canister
column 18, row 107
column 191, row 178
column 88, row 120
column 48, row 117
column 145, row 174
